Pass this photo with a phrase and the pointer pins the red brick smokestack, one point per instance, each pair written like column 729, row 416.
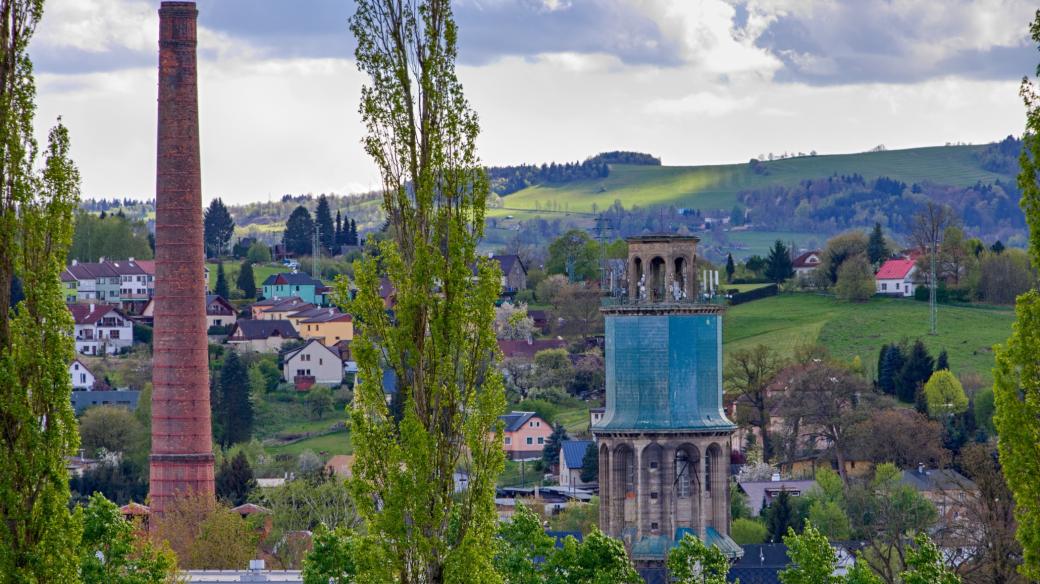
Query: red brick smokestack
column 182, row 450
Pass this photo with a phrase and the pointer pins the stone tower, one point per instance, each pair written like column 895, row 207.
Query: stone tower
column 664, row 440
column 182, row 446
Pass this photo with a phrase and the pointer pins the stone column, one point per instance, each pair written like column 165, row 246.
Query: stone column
column 604, row 490
column 667, row 492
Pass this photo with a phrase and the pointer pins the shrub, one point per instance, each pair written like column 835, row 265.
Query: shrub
column 748, row 531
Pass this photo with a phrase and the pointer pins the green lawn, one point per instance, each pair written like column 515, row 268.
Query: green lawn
column 260, row 273
column 742, row 287
column 716, row 187
column 335, row 443
column 786, row 321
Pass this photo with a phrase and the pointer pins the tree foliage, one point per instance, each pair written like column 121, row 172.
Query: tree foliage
column 925, row 564
column 944, row 394
column 299, row 232
column 421, row 133
column 235, row 480
column 323, row 223
column 221, row 288
column 590, row 464
column 246, row 281
column 111, row 553
column 233, row 410
column 113, row 236
column 205, row 534
column 747, row 375
column 217, row 227
column 778, row 263
column 691, row 562
column 877, row 249
column 855, row 280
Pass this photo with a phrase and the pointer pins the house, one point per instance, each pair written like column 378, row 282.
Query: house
column 514, row 273
column 82, row 378
column 278, row 308
column 262, row 336
column 96, row 281
column 340, row 465
column 540, row 319
column 295, row 284
column 329, row 327
column 71, row 286
column 219, row 312
column 946, row 488
column 760, row 494
column 526, row 349
column 595, row 415
column 762, row 563
column 315, row 361
column 129, row 283
column 124, row 398
column 807, row 466
column 100, row 329
column 524, row 435
column 297, row 316
column 806, row 263
column 896, row 277
column 572, row 457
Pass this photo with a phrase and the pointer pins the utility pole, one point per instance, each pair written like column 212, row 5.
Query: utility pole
column 316, row 251
column 931, row 288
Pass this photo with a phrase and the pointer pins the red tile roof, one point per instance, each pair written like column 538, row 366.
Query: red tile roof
column 895, row 269
column 90, row 313
column 527, row 349
column 802, row 261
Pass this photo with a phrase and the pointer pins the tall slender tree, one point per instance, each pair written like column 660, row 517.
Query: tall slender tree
column 731, row 268
column 221, row 288
column 1017, row 374
column 337, row 238
column 299, row 232
column 778, row 264
column 877, row 249
column 323, row 221
column 422, row 136
column 246, row 281
column 234, row 410
column 218, row 227
column 39, row 534
column 352, row 239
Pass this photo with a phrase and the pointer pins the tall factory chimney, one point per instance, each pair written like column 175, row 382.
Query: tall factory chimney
column 182, row 452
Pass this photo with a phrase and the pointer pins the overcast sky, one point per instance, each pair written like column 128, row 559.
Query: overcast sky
column 691, row 81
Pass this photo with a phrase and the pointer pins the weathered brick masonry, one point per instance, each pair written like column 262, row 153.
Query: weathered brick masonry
column 182, row 457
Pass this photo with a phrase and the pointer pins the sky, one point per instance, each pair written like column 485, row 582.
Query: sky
column 690, row 81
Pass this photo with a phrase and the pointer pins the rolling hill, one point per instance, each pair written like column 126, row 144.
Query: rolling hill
column 717, row 186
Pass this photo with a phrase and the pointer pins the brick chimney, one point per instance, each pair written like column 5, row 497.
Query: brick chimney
column 181, row 459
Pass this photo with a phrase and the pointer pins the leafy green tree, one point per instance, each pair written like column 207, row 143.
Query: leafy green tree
column 925, row 564
column 731, row 268
column 338, row 556
column 221, row 288
column 831, row 519
column 319, row 400
column 915, row 372
column 523, row 546
column 590, row 464
column 233, row 415
column 780, row 516
column 813, row 560
column 877, row 249
column 691, row 562
column 235, row 480
column 113, row 429
column 551, row 452
column 944, row 394
column 309, row 502
column 598, row 559
column 778, row 263
column 109, row 237
column 998, row 247
column 422, row 134
column 323, row 222
column 855, row 280
column 259, row 253
column 574, row 254
column 755, row 264
column 217, row 226
column 839, row 249
column 110, row 553
column 747, row 375
column 748, row 531
column 299, row 232
column 246, row 282
column 37, row 424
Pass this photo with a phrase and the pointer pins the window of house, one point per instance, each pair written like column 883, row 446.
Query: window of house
column 321, row 361
column 530, row 440
column 113, row 334
column 541, row 440
column 217, row 322
column 897, row 285
column 509, row 440
column 884, row 286
column 82, row 377
column 653, row 524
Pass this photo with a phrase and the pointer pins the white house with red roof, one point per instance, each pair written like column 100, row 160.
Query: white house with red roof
column 100, row 328
column 806, row 263
column 82, row 378
column 896, row 277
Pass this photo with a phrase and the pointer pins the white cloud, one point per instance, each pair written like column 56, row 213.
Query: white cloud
column 702, row 102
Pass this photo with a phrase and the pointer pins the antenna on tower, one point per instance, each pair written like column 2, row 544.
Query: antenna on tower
column 602, row 228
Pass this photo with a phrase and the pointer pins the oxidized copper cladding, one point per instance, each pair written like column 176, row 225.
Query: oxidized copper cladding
column 182, row 451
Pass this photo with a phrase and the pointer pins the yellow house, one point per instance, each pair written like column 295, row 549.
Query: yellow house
column 329, row 328
column 277, row 308
column 308, row 312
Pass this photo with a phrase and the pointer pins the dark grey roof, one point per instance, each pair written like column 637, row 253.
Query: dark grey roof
column 262, row 329
column 514, row 420
column 297, row 279
column 506, row 262
column 574, row 452
column 756, row 490
column 931, row 479
column 81, row 400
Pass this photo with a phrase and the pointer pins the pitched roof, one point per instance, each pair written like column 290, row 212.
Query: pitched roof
column 250, row 509
column 756, row 490
column 297, row 279
column 90, row 313
column 297, row 351
column 211, row 298
column 66, row 276
column 574, row 452
column 276, row 301
column 92, row 270
column 330, row 315
column 148, row 266
column 895, row 269
column 254, row 330
column 527, row 349
column 931, row 479
column 802, row 261
column 515, row 420
column 84, row 367
column 506, row 262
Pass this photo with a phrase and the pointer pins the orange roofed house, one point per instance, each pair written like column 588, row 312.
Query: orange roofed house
column 524, row 435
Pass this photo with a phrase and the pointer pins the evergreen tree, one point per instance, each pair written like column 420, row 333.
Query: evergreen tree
column 780, row 517
column 943, row 362
column 221, row 288
column 877, row 251
column 915, row 372
column 235, row 407
column 299, row 230
column 217, row 226
column 778, row 264
column 338, row 238
column 40, row 535
column 551, row 452
column 730, row 268
column 235, row 480
column 352, row 239
column 323, row 221
column 997, row 248
column 590, row 464
column 246, row 281
column 889, row 368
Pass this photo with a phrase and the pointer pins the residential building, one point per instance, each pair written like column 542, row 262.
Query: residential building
column 71, row 286
column 262, row 336
column 330, row 327
column 572, row 460
column 100, row 328
column 760, row 494
column 297, row 284
column 129, row 283
column 82, row 378
column 297, row 316
column 315, row 361
column 524, row 435
column 97, row 282
column 219, row 312
column 806, row 263
column 526, row 349
column 946, row 488
column 595, row 415
column 896, row 277
column 124, row 398
column 762, row 563
column 514, row 273
column 278, row 308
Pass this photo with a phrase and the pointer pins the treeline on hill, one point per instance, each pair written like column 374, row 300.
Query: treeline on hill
column 841, row 202
column 1001, row 156
column 510, row 179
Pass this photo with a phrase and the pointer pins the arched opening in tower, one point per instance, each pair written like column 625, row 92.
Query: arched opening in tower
column 657, row 279
column 679, row 286
column 715, row 487
column 650, row 460
column 687, row 487
column 638, row 279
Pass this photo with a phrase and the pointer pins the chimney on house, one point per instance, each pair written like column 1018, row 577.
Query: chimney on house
column 181, row 460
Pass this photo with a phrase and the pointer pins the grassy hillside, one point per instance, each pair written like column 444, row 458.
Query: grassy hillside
column 260, row 273
column 716, row 187
column 847, row 330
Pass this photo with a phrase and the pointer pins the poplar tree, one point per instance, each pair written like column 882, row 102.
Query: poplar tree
column 246, row 281
column 1017, row 373
column 440, row 342
column 221, row 287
